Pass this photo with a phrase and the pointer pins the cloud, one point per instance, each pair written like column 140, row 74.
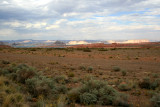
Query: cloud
column 19, row 24
column 52, row 27
column 7, row 32
column 80, row 19
column 5, row 2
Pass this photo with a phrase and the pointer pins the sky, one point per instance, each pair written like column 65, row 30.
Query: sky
column 79, row 19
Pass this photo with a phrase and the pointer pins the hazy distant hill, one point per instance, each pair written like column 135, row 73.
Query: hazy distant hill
column 46, row 43
column 4, row 45
column 1, row 43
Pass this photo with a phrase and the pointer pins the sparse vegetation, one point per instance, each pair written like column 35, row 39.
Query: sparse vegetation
column 147, row 83
column 116, row 68
column 61, row 79
column 43, row 77
column 82, row 68
column 102, row 49
column 124, row 72
column 124, row 87
column 71, row 74
column 41, row 86
column 156, row 100
column 90, row 68
column 87, row 50
column 96, row 92
column 5, row 62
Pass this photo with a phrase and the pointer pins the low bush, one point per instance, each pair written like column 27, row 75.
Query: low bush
column 14, row 100
column 156, row 100
column 69, row 49
column 96, row 92
column 147, row 83
column 62, row 79
column 87, row 50
column 88, row 98
column 116, row 68
column 121, row 100
column 62, row 89
column 155, row 75
column 4, row 72
column 70, row 74
column 5, row 62
column 154, row 85
column 62, row 101
column 24, row 72
column 32, row 49
column 82, row 67
column 102, row 49
column 124, row 87
column 76, row 80
column 113, row 49
column 10, row 96
column 90, row 68
column 124, row 72
column 41, row 86
column 34, row 82
column 20, row 73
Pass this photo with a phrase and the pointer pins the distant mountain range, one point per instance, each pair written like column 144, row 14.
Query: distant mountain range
column 45, row 43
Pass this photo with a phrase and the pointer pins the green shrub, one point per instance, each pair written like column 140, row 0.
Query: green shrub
column 124, row 87
column 61, row 79
column 136, row 58
column 148, row 84
column 116, row 68
column 4, row 72
column 154, row 85
column 69, row 49
column 124, row 72
column 5, row 62
column 13, row 76
column 102, row 49
column 156, row 100
column 82, row 67
column 88, row 98
column 24, row 73
column 41, row 86
column 72, row 68
column 95, row 92
column 155, row 75
column 151, row 93
column 121, row 100
column 87, row 50
column 145, row 83
column 71, row 74
column 76, row 80
column 62, row 89
column 73, row 95
column 32, row 49
column 20, row 73
column 158, row 81
column 113, row 49
column 90, row 68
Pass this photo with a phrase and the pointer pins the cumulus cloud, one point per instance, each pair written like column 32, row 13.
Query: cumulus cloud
column 80, row 19
column 25, row 24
